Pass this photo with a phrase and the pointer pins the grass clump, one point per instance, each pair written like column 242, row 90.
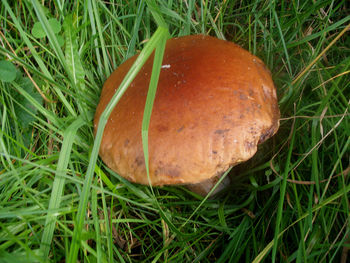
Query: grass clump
column 57, row 204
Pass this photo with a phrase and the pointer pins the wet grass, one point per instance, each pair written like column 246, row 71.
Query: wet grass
column 290, row 202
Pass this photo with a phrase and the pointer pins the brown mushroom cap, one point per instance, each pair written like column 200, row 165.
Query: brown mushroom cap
column 215, row 102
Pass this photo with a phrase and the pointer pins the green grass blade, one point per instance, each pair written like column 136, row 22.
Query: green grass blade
column 134, row 36
column 93, row 35
column 116, row 20
column 305, row 46
column 107, row 71
column 154, row 8
column 72, row 57
column 325, row 202
column 95, row 217
column 74, row 64
column 50, row 35
column 37, row 57
column 48, row 114
column 282, row 197
column 157, row 63
column 30, row 256
column 141, row 59
column 283, row 42
column 58, row 184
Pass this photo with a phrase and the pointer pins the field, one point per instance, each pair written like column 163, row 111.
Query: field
column 60, row 203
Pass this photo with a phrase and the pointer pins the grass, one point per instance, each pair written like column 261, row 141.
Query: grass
column 58, row 203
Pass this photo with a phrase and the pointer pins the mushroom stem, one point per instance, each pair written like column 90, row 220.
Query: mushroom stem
column 204, row 187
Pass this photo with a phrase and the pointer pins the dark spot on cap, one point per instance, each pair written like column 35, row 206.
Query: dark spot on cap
column 169, row 171
column 139, row 160
column 220, row 132
column 162, row 128
column 173, row 172
column 267, row 134
column 253, row 131
column 242, row 96
column 214, row 152
column 126, row 142
column 181, row 128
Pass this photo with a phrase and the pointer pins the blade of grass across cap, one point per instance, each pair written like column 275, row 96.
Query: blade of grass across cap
column 150, row 99
column 135, row 68
column 58, row 184
column 149, row 105
column 157, row 63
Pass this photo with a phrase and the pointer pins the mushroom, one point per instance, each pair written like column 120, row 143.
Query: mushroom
column 215, row 103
